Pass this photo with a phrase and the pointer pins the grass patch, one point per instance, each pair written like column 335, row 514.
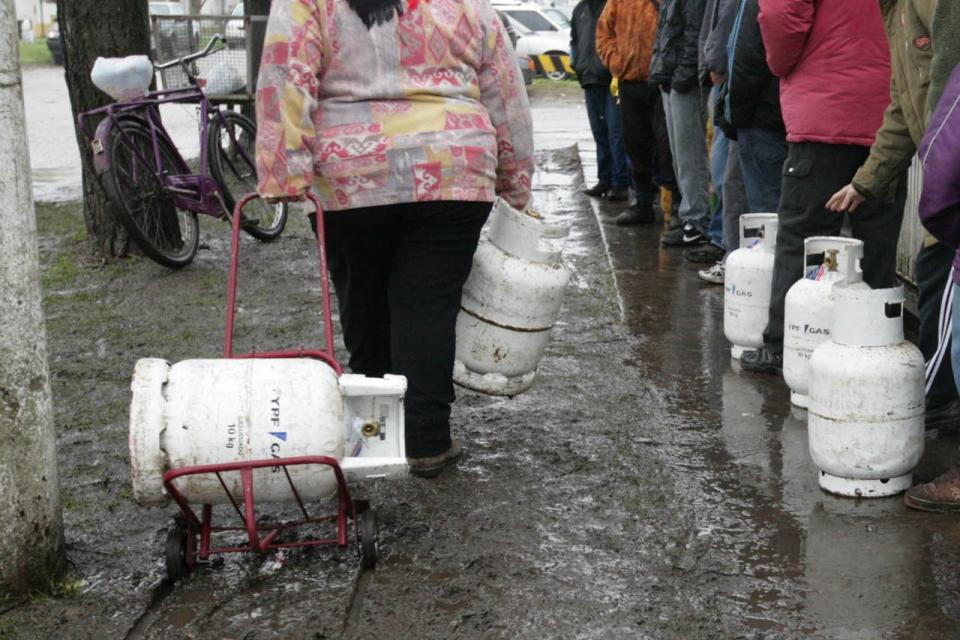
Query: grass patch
column 35, row 53
column 62, row 220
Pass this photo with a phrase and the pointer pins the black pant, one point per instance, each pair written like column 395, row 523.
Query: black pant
column 398, row 271
column 934, row 269
column 637, row 100
column 811, row 174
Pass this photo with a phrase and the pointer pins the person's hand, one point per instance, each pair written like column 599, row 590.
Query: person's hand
column 847, row 199
column 717, row 78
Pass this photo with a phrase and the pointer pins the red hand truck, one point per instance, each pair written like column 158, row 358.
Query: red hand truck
column 182, row 549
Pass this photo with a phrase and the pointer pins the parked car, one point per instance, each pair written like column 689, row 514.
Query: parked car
column 173, row 38
column 558, row 17
column 537, row 33
column 55, row 44
column 236, row 30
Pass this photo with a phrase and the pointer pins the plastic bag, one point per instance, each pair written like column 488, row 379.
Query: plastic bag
column 123, row 78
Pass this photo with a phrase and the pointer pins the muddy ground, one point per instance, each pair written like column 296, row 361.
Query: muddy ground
column 642, row 489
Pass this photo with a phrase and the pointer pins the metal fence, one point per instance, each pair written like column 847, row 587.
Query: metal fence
column 911, row 233
column 229, row 72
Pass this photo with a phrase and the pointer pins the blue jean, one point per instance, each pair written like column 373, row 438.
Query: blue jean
column 719, row 151
column 686, row 126
column 762, row 154
column 607, row 132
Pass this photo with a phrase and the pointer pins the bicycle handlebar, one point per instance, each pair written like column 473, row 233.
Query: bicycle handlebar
column 217, row 38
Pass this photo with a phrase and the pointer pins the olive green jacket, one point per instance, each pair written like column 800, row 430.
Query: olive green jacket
column 908, row 24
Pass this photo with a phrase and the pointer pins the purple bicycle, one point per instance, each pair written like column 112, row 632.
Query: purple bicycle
column 154, row 191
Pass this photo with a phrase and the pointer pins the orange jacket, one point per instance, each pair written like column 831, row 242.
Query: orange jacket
column 625, row 34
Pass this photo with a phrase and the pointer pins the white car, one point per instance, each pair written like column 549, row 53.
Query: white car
column 236, row 30
column 539, row 33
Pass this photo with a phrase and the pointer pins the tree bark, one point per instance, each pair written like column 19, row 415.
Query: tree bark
column 92, row 28
column 31, row 526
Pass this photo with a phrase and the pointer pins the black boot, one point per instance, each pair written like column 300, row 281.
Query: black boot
column 762, row 360
column 598, row 190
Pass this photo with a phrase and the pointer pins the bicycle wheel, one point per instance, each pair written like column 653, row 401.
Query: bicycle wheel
column 168, row 235
column 231, row 143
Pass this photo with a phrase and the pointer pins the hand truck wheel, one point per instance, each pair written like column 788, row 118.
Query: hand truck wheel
column 180, row 551
column 369, row 538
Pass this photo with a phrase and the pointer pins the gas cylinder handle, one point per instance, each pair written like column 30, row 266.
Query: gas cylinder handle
column 849, row 253
column 327, row 352
column 760, row 223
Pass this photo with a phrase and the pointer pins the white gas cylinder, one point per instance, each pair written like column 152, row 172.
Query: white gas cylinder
column 808, row 310
column 510, row 302
column 199, row 412
column 865, row 420
column 747, row 283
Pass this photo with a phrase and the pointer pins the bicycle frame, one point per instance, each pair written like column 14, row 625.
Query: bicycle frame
column 199, row 193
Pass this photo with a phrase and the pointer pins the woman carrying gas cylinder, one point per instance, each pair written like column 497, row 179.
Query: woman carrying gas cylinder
column 406, row 118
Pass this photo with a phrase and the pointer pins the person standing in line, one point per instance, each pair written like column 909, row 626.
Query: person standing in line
column 940, row 207
column 833, row 62
column 754, row 109
column 908, row 27
column 613, row 177
column 725, row 172
column 625, row 33
column 674, row 70
column 407, row 119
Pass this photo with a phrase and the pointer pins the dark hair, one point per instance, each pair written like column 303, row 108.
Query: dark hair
column 373, row 12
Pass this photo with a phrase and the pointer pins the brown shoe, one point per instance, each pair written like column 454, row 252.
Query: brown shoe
column 940, row 494
column 433, row 466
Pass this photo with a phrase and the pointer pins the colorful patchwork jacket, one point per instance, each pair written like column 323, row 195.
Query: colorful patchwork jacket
column 428, row 106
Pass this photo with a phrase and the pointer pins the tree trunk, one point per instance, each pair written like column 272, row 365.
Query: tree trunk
column 31, row 527
column 92, row 28
column 258, row 31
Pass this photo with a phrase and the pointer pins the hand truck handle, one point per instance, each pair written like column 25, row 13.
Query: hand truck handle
column 327, row 352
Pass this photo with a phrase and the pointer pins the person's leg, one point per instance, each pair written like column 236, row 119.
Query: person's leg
column 734, row 199
column 689, row 145
column 762, row 154
column 619, row 167
column 596, row 108
column 434, row 252
column 636, row 115
column 809, row 174
column 360, row 245
column 877, row 223
column 935, row 305
column 719, row 153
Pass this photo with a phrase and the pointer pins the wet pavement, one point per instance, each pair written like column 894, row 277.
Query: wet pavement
column 644, row 488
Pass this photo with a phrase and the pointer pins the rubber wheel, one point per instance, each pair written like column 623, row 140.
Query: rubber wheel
column 166, row 234
column 231, row 140
column 369, row 538
column 179, row 552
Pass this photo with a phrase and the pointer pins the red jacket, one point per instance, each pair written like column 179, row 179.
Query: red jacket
column 833, row 62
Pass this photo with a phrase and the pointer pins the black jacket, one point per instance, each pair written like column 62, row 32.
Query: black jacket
column 583, row 44
column 754, row 90
column 676, row 49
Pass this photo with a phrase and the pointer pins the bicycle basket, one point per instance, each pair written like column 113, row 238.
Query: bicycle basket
column 123, row 78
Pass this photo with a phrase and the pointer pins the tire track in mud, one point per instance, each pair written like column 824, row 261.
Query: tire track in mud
column 351, row 618
column 143, row 623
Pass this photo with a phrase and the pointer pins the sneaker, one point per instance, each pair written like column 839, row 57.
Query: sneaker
column 762, row 360
column 618, row 194
column 685, row 236
column 713, row 275
column 432, row 466
column 941, row 494
column 706, row 253
column 598, row 190
column 635, row 215
column 945, row 418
